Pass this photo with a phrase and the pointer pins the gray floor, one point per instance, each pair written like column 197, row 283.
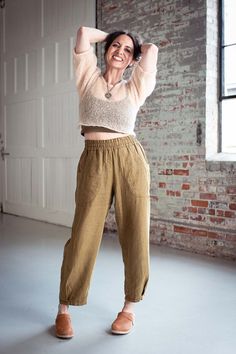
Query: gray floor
column 190, row 306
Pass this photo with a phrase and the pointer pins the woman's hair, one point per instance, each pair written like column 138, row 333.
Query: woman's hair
column 135, row 39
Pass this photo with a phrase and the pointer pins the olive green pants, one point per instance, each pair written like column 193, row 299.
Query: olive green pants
column 115, row 168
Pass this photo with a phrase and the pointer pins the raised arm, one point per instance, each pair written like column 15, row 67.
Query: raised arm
column 149, row 57
column 86, row 36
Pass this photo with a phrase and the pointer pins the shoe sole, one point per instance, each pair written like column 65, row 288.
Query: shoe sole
column 64, row 337
column 121, row 332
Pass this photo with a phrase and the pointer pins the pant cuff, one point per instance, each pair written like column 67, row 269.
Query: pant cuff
column 133, row 299
column 73, row 303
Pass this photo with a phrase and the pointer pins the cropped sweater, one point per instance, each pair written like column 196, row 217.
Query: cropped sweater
column 118, row 113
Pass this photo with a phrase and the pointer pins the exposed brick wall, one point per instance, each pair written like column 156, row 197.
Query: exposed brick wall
column 193, row 202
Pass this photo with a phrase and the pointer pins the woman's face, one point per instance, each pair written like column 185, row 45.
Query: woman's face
column 120, row 52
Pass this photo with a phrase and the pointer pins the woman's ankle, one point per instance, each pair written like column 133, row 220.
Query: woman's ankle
column 62, row 308
column 128, row 307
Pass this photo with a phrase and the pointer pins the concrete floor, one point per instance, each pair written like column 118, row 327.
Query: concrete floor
column 190, row 305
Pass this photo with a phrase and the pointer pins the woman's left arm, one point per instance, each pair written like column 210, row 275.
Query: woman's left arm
column 143, row 77
column 149, row 55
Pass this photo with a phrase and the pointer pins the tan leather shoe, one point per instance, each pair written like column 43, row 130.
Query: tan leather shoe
column 64, row 326
column 123, row 324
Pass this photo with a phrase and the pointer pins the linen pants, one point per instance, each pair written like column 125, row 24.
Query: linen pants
column 114, row 168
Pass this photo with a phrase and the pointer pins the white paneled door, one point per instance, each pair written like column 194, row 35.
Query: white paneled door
column 39, row 106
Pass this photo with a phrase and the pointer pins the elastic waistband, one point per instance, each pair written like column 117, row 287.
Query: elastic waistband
column 110, row 143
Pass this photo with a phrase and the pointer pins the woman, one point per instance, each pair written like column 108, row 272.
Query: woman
column 112, row 165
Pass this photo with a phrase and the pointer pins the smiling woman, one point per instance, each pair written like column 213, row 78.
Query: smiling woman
column 112, row 165
column 121, row 51
column 133, row 46
column 119, row 54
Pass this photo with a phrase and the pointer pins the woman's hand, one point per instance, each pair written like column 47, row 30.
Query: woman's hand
column 86, row 36
column 149, row 55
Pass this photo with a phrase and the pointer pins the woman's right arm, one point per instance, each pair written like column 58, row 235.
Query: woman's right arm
column 86, row 36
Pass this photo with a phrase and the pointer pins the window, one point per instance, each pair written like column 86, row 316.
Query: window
column 228, row 75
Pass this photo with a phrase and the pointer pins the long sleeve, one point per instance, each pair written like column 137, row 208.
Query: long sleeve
column 141, row 84
column 86, row 69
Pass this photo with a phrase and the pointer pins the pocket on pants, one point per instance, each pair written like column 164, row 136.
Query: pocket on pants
column 89, row 173
column 141, row 153
column 136, row 172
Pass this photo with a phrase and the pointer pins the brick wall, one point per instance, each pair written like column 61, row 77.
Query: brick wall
column 193, row 202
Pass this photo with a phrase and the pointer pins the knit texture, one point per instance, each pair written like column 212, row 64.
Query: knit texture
column 118, row 116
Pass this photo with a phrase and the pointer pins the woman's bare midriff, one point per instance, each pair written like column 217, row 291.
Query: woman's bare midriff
column 103, row 135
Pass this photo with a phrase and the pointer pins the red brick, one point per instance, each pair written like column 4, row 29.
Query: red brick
column 208, row 196
column 211, row 211
column 185, row 186
column 180, row 172
column 199, row 203
column 220, row 212
column 232, row 206
column 231, row 190
column 217, row 220
column 229, row 214
column 192, row 209
column 162, row 185
column 202, row 210
column 199, row 233
column 182, row 229
column 173, row 193
column 212, row 234
column 195, row 232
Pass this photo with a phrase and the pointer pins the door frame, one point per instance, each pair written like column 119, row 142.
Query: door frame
column 2, row 127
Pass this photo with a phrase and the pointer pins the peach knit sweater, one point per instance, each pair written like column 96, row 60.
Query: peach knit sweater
column 118, row 113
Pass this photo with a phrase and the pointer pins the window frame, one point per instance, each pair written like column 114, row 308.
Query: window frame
column 214, row 156
column 222, row 96
column 222, row 47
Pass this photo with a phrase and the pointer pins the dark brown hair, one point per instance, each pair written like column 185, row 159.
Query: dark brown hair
column 135, row 39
